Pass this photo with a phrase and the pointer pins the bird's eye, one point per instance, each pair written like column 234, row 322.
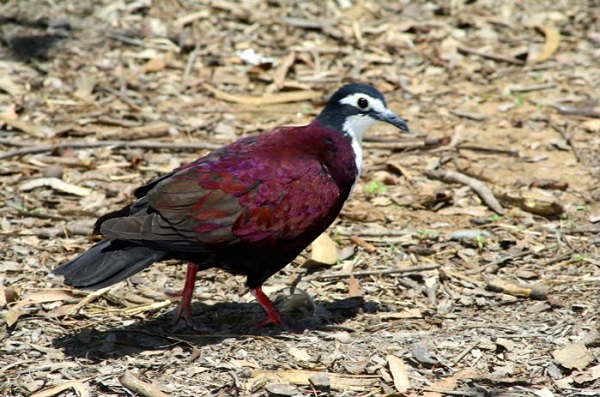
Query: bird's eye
column 363, row 103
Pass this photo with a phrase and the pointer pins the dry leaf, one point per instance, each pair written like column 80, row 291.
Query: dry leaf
column 354, row 288
column 8, row 295
column 154, row 65
column 44, row 296
column 61, row 311
column 324, row 250
column 450, row 382
column 589, row 375
column 299, row 354
column 79, row 385
column 399, row 373
column 10, row 113
column 7, row 85
column 85, row 84
column 574, row 355
column 359, row 211
column 406, row 313
column 544, row 392
column 12, row 316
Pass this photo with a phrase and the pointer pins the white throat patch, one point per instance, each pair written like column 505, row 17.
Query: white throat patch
column 355, row 126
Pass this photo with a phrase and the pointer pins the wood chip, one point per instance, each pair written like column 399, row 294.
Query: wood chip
column 9, row 86
column 340, row 382
column 29, row 128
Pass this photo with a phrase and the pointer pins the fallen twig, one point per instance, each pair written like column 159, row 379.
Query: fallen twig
column 116, row 144
column 566, row 136
column 410, row 269
column 590, row 111
column 465, row 352
column 266, row 99
column 408, row 145
column 146, row 131
column 508, row 152
column 89, row 298
column 530, row 88
column 370, row 248
column 494, row 57
column 506, row 287
column 56, row 184
column 130, row 382
column 476, row 185
column 376, row 233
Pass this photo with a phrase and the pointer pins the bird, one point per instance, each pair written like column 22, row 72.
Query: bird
column 249, row 207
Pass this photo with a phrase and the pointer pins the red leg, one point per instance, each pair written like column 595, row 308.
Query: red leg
column 273, row 315
column 185, row 305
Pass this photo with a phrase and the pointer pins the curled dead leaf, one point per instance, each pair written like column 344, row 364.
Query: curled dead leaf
column 550, row 45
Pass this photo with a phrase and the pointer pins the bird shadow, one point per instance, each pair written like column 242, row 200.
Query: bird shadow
column 222, row 320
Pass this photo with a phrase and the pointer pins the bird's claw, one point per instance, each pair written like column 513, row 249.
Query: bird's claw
column 185, row 311
column 285, row 324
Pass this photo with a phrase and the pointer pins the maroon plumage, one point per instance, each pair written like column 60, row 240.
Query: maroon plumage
column 249, row 208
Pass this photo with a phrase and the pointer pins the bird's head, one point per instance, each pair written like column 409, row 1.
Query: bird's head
column 354, row 108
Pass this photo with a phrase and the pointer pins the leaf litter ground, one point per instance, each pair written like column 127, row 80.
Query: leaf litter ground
column 473, row 245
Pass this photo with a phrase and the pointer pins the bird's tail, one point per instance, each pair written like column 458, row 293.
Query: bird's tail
column 107, row 263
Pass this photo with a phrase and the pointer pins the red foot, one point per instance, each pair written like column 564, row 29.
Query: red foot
column 273, row 316
column 185, row 305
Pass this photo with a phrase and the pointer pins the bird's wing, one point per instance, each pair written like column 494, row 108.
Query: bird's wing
column 231, row 202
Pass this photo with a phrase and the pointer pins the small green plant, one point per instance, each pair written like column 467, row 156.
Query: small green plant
column 494, row 217
column 480, row 240
column 375, row 187
column 517, row 97
column 579, row 257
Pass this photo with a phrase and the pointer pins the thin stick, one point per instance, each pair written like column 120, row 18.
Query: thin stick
column 509, row 152
column 465, row 352
column 130, row 382
column 566, row 136
column 116, row 144
column 420, row 268
column 494, row 57
column 574, row 111
column 476, row 185
column 375, row 233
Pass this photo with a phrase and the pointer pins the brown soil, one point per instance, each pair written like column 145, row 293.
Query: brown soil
column 105, row 95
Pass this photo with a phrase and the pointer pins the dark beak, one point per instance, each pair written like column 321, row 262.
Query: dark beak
column 390, row 117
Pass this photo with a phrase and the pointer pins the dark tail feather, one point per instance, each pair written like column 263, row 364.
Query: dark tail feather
column 107, row 263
